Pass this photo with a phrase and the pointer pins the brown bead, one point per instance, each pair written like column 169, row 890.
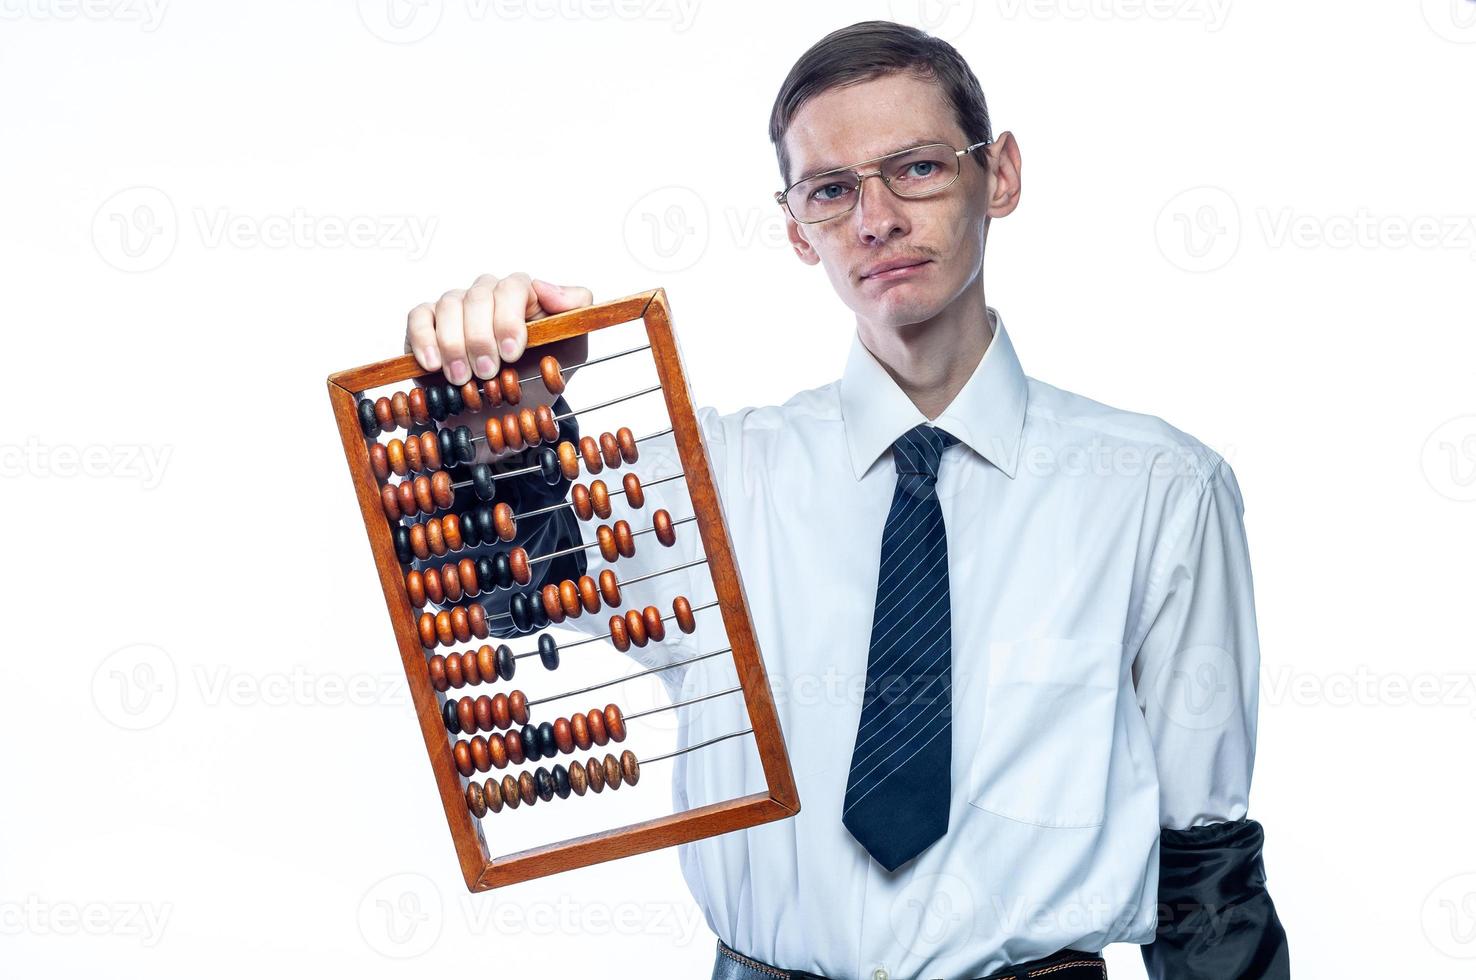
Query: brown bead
column 501, row 714
column 433, row 538
column 517, row 560
column 512, row 388
column 630, row 767
column 615, row 722
column 455, row 671
column 476, row 618
column 400, row 409
column 513, row 740
column 451, row 532
column 492, row 793
column 444, row 634
column 434, row 589
column 502, row 520
column 466, row 713
column 491, row 393
column 512, row 433
column 569, row 596
column 609, row 588
column 405, row 498
column 596, row 774
column 487, row 663
column 612, row 771
column 481, row 756
column 578, row 781
column 599, row 498
column 414, row 461
column 451, row 582
column 548, row 426
column 579, row 497
column 665, row 532
column 606, row 538
column 475, row 801
column 597, row 730
column 436, row 668
column 422, row 488
column 427, row 625
column 384, row 413
column 394, row 452
column 686, row 620
column 553, row 379
column 415, row 586
column 510, row 794
column 634, row 495
column 635, row 625
column 618, row 637
column 589, row 594
column 495, row 441
column 497, row 750
column 441, row 491
column 389, row 500
column 528, row 427
column 430, row 451
column 526, row 788
column 626, row 440
column 460, row 627
column 483, row 708
column 563, row 735
column 461, row 754
column 419, row 541
column 590, row 450
column 466, row 570
column 379, row 461
column 469, row 668
column 552, row 604
column 418, row 411
column 655, row 625
column 517, row 706
column 609, row 449
column 579, row 730
column 624, row 539
column 569, row 459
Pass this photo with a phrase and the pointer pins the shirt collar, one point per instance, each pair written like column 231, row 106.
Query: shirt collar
column 987, row 415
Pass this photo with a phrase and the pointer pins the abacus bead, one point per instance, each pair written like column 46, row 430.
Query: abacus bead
column 618, row 636
column 599, row 498
column 625, row 540
column 612, row 771
column 635, row 625
column 434, row 543
column 517, row 707
column 466, row 570
column 441, row 489
column 568, row 459
column 512, row 433
column 655, row 627
column 469, row 667
column 502, row 570
column 448, row 446
column 379, row 461
column 415, row 495
column 492, row 793
column 634, row 495
column 590, row 450
column 461, row 437
column 419, row 541
column 491, row 393
column 419, row 411
column 665, row 532
column 528, row 427
column 529, row 737
column 501, row 717
column 403, row 551
column 486, row 663
column 579, row 496
column 475, row 801
column 517, row 560
column 548, row 366
column 563, row 735
column 540, row 618
column 615, row 722
column 400, row 410
column 476, row 619
column 596, row 774
column 561, row 782
column 451, row 582
column 368, row 422
column 471, row 525
column 481, row 757
column 552, row 604
column 514, row 743
column 435, row 402
column 466, row 713
column 578, row 780
column 436, row 667
column 597, row 730
column 522, row 615
column 485, row 717
column 448, row 716
column 502, row 520
column 548, row 428
column 389, row 499
column 606, row 539
column 461, row 754
column 413, row 461
column 626, row 440
column 569, row 596
column 548, row 465
column 497, row 750
column 526, row 788
column 471, row 396
column 460, row 624
column 430, row 451
column 630, row 767
column 610, row 449
column 427, row 625
column 547, row 744
column 579, row 731
column 507, row 664
column 495, row 439
column 589, row 594
column 512, row 388
column 384, row 414
column 455, row 670
column 543, row 784
column 415, row 586
column 548, row 651
column 454, row 404
column 510, row 794
column 443, row 632
column 686, row 620
column 431, row 581
column 451, row 532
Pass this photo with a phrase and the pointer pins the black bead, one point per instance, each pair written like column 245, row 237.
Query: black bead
column 454, row 405
column 506, row 662
column 471, row 535
column 546, row 743
column 403, row 551
column 486, row 488
column 486, row 576
column 502, row 570
column 435, row 401
column 485, row 528
column 548, row 460
column 368, row 421
column 447, row 442
column 543, row 783
column 448, row 713
column 461, row 439
column 522, row 616
column 548, row 651
column 540, row 615
column 529, row 735
column 561, row 781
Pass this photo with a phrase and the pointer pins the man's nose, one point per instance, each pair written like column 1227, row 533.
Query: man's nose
column 880, row 216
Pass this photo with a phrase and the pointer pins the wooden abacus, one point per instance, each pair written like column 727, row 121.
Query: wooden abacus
column 423, row 609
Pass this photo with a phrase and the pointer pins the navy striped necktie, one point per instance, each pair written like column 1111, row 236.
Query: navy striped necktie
column 897, row 796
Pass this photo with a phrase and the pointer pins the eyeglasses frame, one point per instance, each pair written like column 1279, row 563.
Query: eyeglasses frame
column 782, row 197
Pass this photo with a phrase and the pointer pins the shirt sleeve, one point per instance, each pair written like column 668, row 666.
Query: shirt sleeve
column 1197, row 679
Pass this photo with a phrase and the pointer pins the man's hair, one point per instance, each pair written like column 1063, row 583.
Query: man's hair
column 867, row 50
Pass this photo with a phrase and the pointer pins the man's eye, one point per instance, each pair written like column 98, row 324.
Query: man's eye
column 830, row 192
column 929, row 168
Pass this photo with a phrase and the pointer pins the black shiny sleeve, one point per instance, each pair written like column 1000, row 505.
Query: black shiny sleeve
column 1216, row 920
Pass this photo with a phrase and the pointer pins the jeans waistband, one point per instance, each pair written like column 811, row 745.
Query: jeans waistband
column 1064, row 964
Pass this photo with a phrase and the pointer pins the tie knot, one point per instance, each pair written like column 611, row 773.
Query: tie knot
column 919, row 450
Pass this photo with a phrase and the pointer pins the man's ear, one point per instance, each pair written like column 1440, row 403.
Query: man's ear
column 802, row 246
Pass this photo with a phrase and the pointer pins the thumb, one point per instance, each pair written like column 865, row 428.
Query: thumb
column 558, row 299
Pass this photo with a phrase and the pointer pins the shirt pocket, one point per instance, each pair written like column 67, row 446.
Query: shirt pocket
column 1046, row 742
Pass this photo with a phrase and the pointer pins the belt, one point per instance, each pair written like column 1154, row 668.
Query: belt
column 1064, row 964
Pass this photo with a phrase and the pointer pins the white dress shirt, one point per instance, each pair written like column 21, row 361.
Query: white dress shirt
column 1105, row 666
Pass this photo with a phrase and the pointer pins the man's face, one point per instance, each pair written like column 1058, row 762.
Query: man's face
column 942, row 236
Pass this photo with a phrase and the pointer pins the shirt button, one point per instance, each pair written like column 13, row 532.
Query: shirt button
column 880, row 973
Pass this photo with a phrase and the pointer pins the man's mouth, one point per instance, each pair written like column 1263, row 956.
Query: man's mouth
column 897, row 269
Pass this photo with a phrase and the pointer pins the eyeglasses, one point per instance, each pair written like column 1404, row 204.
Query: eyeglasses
column 919, row 172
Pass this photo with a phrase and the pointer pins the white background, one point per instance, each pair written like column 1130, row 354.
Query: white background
column 1253, row 219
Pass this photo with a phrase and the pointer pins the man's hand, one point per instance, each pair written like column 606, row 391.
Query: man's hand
column 472, row 332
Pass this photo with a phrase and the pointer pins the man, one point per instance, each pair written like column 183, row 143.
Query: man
column 1051, row 739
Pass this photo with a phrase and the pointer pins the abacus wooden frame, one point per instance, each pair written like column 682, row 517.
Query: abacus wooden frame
column 480, row 869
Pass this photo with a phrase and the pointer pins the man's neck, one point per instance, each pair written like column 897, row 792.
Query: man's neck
column 932, row 360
